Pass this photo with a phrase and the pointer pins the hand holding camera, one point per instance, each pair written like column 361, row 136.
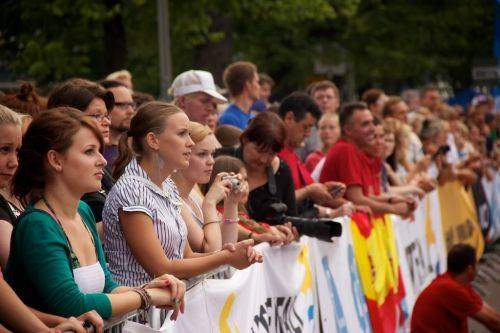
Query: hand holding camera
column 219, row 190
column 235, row 181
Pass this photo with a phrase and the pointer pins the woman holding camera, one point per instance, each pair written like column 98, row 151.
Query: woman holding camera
column 144, row 229
column 198, row 210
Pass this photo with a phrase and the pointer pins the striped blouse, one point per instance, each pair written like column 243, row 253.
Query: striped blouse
column 135, row 192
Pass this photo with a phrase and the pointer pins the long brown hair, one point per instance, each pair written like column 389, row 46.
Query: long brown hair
column 51, row 130
column 150, row 118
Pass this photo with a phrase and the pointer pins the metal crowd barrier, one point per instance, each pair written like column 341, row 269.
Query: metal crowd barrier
column 115, row 324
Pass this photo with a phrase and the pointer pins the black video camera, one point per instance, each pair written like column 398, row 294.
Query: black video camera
column 320, row 228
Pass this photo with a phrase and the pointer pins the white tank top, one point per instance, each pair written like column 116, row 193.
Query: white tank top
column 90, row 279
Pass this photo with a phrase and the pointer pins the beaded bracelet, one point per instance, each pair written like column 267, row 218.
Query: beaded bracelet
column 145, row 298
column 229, row 221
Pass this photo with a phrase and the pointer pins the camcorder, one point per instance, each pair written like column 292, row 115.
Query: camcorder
column 320, row 228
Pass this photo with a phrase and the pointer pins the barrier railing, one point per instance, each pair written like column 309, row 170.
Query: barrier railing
column 115, row 324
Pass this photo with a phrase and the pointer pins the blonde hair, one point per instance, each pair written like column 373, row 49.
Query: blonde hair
column 9, row 117
column 123, row 74
column 329, row 116
column 401, row 134
column 198, row 132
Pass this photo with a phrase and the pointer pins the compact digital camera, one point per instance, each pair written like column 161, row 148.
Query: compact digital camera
column 234, row 181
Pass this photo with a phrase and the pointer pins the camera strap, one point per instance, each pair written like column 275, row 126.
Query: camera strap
column 271, row 181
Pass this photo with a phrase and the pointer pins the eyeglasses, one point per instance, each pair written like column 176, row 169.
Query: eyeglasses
column 124, row 105
column 99, row 117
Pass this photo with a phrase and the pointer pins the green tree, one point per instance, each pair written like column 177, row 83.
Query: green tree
column 389, row 43
column 48, row 40
column 393, row 43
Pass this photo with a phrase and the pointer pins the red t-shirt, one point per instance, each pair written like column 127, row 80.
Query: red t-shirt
column 313, row 159
column 444, row 306
column 301, row 177
column 348, row 164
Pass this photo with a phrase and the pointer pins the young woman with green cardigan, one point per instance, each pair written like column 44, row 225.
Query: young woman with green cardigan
column 57, row 264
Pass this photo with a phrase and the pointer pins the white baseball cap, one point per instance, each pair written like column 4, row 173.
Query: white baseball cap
column 196, row 81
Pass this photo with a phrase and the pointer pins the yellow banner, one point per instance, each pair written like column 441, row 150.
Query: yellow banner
column 459, row 217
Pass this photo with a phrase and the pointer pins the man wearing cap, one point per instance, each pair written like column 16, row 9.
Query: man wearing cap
column 242, row 81
column 194, row 92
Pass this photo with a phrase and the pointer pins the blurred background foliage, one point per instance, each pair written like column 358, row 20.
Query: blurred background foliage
column 388, row 44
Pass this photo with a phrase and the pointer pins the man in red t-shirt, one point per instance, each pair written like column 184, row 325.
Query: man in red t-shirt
column 299, row 113
column 349, row 161
column 447, row 302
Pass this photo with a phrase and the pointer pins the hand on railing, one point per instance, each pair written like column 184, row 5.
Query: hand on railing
column 176, row 289
column 72, row 325
column 242, row 254
column 88, row 322
column 289, row 232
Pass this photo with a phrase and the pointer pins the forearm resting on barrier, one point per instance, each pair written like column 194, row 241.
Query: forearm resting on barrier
column 355, row 194
column 146, row 248
column 489, row 317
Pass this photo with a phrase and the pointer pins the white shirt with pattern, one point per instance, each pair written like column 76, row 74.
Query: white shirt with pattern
column 135, row 192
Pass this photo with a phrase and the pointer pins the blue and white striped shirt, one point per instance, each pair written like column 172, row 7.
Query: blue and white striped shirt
column 135, row 192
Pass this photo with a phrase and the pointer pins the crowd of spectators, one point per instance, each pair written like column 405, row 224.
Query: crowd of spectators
column 109, row 198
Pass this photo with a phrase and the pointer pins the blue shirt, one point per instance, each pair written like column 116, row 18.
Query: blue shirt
column 235, row 116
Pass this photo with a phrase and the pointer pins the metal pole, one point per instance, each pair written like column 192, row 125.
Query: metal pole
column 164, row 47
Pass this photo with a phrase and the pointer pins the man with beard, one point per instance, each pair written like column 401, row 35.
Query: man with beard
column 120, row 117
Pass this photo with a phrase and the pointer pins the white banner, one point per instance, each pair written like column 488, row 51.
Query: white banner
column 340, row 296
column 492, row 191
column 422, row 251
column 276, row 296
column 313, row 285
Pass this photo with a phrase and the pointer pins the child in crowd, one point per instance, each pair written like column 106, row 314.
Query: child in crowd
column 329, row 133
column 249, row 228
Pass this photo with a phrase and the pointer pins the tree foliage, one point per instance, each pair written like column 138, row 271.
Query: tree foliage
column 388, row 43
column 399, row 42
